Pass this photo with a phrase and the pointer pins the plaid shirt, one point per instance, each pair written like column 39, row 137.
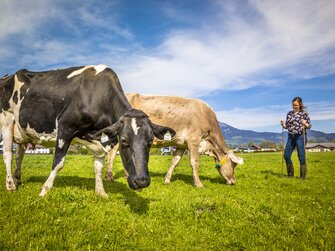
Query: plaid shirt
column 293, row 122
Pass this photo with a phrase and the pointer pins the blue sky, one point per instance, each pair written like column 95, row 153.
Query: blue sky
column 246, row 59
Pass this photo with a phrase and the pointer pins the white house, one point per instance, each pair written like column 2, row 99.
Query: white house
column 37, row 149
column 320, row 147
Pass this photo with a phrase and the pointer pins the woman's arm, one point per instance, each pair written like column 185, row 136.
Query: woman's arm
column 306, row 121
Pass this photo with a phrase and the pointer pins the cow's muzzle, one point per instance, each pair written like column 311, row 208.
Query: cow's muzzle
column 231, row 181
column 138, row 183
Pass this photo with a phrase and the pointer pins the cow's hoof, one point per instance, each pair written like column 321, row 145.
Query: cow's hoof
column 167, row 180
column 199, row 185
column 102, row 194
column 10, row 185
column 17, row 181
column 43, row 192
column 11, row 188
column 109, row 177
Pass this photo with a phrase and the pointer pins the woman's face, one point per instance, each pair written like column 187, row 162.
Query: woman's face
column 295, row 106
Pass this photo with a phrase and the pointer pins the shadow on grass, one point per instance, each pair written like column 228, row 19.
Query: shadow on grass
column 136, row 203
column 271, row 172
column 188, row 179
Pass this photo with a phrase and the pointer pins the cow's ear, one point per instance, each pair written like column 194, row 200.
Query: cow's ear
column 234, row 158
column 162, row 131
column 111, row 131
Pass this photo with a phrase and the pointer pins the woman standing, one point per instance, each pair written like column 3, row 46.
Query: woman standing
column 296, row 122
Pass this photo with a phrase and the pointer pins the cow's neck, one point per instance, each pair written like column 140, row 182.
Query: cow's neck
column 120, row 106
column 220, row 148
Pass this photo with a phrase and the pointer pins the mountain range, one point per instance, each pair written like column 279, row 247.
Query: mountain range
column 235, row 137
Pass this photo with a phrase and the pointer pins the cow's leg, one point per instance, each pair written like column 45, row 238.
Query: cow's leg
column 20, row 151
column 111, row 157
column 194, row 159
column 175, row 161
column 8, row 133
column 99, row 186
column 62, row 145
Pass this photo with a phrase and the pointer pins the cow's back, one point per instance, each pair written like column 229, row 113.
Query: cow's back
column 43, row 97
column 38, row 100
column 188, row 117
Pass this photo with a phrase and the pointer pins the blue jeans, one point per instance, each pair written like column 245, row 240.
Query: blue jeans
column 295, row 140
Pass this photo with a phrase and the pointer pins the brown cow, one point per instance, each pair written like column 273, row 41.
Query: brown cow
column 197, row 129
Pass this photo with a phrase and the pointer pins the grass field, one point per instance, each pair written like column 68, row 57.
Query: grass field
column 263, row 211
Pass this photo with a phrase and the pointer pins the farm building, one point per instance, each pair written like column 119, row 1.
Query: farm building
column 37, row 149
column 254, row 148
column 320, row 147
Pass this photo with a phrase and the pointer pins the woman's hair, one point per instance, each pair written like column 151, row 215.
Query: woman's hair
column 302, row 107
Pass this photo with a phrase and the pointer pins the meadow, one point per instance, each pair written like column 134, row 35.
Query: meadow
column 264, row 211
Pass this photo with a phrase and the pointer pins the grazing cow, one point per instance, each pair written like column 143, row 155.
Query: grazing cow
column 84, row 105
column 197, row 130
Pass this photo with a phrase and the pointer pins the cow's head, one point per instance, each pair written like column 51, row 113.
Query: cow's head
column 227, row 165
column 135, row 133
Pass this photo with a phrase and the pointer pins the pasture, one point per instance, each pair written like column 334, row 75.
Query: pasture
column 263, row 211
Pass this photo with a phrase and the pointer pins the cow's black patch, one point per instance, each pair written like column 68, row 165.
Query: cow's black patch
column 15, row 98
column 6, row 91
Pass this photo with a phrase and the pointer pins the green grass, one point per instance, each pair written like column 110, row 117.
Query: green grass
column 263, row 211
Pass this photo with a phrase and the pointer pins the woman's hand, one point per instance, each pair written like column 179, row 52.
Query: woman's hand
column 304, row 123
column 282, row 122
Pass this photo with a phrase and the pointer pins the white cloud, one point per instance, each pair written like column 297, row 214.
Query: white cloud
column 223, row 54
column 282, row 36
column 253, row 117
column 92, row 17
column 21, row 16
column 322, row 110
column 44, row 34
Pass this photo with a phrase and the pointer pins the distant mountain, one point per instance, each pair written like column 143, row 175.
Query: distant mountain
column 234, row 136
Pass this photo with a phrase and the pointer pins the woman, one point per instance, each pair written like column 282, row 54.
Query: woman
column 296, row 122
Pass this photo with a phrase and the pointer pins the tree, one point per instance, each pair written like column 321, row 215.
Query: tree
column 268, row 144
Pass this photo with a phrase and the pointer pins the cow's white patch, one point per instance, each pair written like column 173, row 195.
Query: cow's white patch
column 7, row 130
column 93, row 146
column 60, row 143
column 104, row 138
column 6, row 76
column 15, row 108
column 97, row 68
column 98, row 166
column 77, row 72
column 50, row 181
column 56, row 123
column 30, row 135
column 6, row 118
column 134, row 125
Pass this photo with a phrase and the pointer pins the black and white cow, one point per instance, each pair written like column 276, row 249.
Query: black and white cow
column 84, row 105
